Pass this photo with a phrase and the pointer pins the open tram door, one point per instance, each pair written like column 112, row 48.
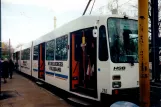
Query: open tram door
column 83, row 62
column 41, row 61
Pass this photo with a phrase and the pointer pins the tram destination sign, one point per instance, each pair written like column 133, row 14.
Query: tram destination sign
column 55, row 66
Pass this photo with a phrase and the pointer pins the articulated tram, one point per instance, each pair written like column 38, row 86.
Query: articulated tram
column 93, row 57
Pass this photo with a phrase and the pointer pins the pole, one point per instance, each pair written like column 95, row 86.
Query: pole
column 54, row 22
column 87, row 7
column 143, row 54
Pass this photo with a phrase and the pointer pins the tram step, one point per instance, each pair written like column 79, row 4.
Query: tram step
column 87, row 91
column 78, row 101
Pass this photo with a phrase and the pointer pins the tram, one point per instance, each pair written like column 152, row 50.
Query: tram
column 93, row 57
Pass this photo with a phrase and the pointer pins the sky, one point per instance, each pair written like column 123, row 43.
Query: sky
column 26, row 20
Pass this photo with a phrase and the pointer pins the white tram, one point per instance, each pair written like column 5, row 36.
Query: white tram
column 93, row 57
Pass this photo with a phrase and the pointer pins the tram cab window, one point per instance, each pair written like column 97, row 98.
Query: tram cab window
column 123, row 40
column 36, row 53
column 103, row 51
column 61, row 48
column 50, row 47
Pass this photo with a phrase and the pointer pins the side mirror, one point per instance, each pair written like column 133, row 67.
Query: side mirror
column 95, row 33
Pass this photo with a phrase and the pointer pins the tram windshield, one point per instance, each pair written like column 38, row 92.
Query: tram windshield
column 123, row 40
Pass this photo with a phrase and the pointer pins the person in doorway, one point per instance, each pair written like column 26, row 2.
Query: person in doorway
column 11, row 68
column 5, row 67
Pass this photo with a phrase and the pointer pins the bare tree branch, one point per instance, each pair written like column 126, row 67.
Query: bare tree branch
column 149, row 3
column 149, row 31
column 135, row 6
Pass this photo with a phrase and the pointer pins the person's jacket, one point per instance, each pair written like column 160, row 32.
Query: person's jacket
column 5, row 66
column 11, row 65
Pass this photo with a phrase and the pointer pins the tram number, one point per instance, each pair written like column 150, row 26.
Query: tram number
column 119, row 68
column 104, row 90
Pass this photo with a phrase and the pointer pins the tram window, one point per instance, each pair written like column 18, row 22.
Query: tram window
column 103, row 52
column 25, row 55
column 50, row 47
column 27, row 51
column 22, row 55
column 61, row 48
column 36, row 51
column 13, row 56
column 18, row 55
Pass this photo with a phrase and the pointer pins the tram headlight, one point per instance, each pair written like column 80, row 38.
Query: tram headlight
column 116, row 84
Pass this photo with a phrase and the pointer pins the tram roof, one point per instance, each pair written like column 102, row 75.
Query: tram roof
column 74, row 25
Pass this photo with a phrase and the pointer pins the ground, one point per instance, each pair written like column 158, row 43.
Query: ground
column 25, row 93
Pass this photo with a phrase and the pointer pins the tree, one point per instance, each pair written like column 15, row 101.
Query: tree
column 111, row 8
column 114, row 7
column 135, row 6
column 5, row 50
column 149, row 21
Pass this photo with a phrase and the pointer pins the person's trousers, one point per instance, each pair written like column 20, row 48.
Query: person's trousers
column 10, row 73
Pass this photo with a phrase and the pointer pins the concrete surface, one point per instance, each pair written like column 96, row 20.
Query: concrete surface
column 27, row 94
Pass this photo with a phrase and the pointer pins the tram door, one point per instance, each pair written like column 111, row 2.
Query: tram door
column 83, row 62
column 74, row 62
column 41, row 61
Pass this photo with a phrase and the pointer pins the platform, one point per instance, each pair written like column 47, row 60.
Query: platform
column 21, row 92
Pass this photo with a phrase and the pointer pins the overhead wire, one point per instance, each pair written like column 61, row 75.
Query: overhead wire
column 92, row 6
column 86, row 7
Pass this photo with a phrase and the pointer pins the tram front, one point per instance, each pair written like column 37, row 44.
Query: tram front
column 123, row 46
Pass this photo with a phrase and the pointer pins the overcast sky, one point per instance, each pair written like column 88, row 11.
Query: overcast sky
column 26, row 20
